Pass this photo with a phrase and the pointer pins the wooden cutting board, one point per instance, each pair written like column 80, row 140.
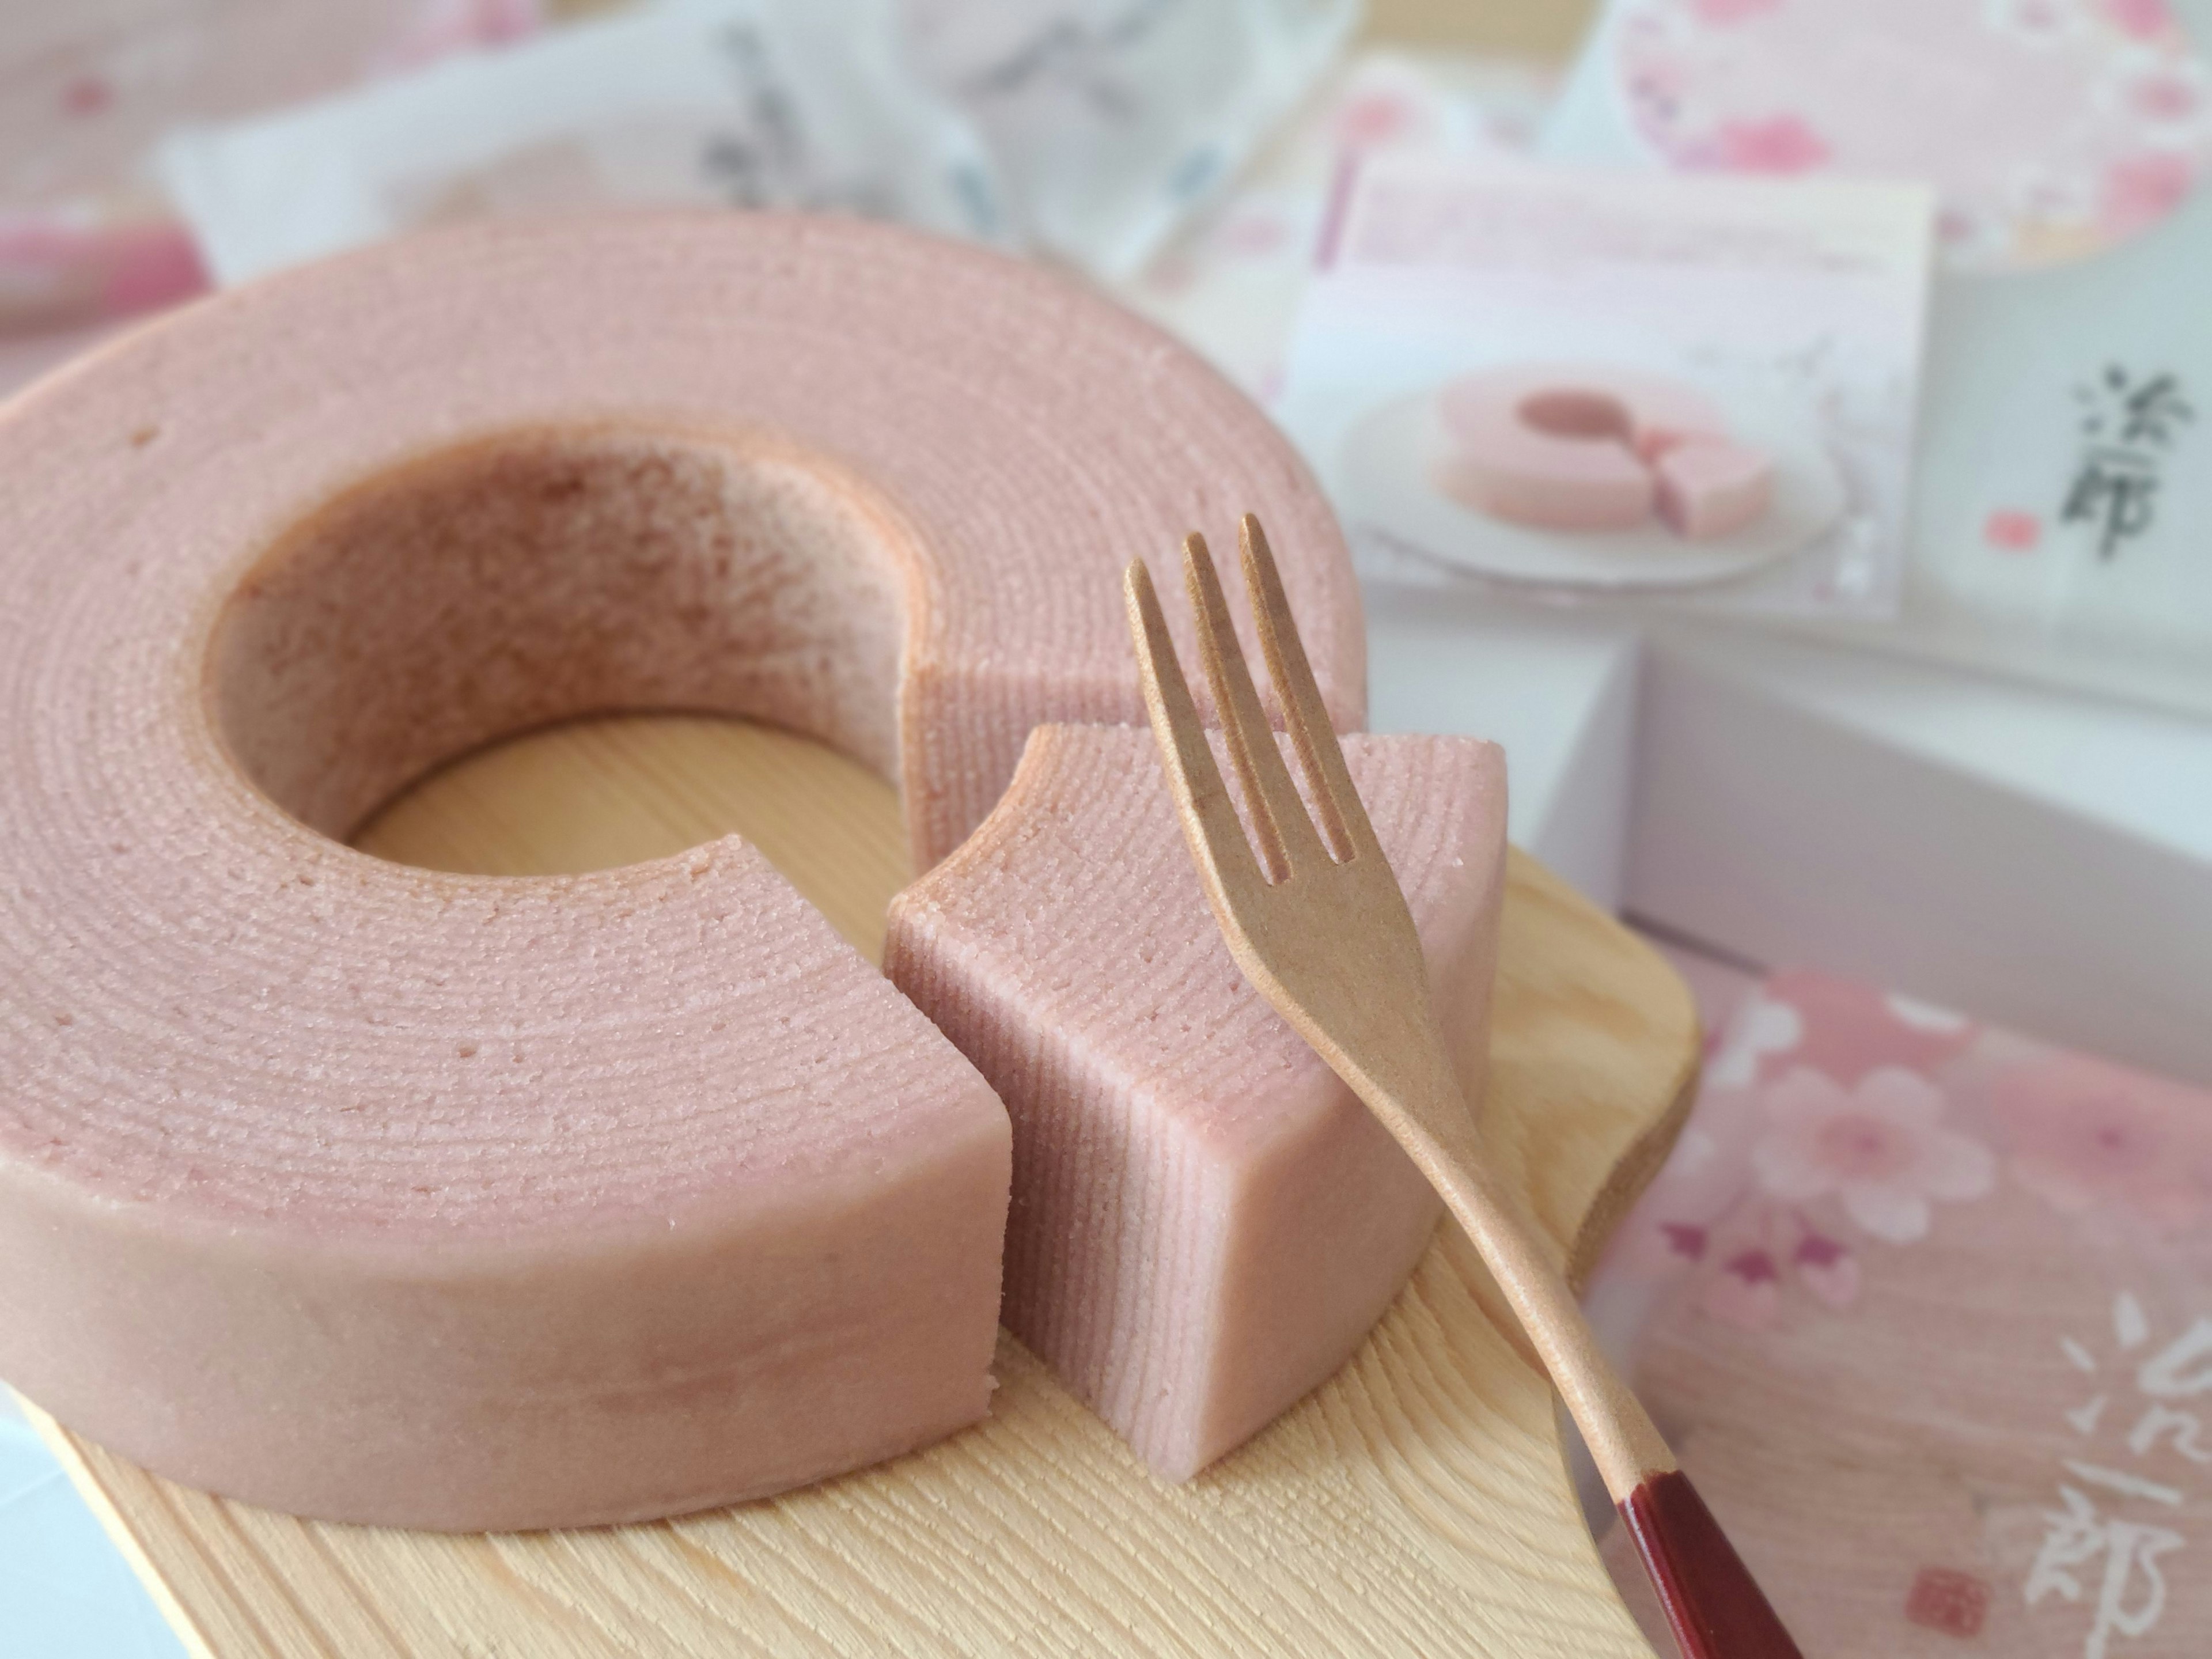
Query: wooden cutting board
column 1416, row 1503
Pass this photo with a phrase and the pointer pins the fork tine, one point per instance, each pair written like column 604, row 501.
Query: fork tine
column 1286, row 836
column 1343, row 816
column 1209, row 817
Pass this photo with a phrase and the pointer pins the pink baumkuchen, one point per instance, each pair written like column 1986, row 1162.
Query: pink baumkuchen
column 1562, row 447
column 1205, row 1223
column 460, row 1201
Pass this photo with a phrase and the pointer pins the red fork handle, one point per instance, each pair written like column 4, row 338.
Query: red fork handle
column 1713, row 1604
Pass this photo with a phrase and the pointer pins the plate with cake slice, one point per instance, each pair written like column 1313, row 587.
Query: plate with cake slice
column 1592, row 475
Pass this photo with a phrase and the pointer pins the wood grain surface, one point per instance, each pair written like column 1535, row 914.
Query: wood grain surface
column 1416, row 1503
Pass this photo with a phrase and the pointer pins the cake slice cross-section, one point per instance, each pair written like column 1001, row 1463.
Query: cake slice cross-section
column 1205, row 1223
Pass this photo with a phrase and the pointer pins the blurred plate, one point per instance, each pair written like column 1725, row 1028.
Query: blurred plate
column 1384, row 486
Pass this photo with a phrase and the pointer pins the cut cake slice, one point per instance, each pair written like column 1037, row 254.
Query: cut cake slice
column 1205, row 1222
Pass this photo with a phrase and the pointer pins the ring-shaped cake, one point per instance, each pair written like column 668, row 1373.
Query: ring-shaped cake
column 383, row 1194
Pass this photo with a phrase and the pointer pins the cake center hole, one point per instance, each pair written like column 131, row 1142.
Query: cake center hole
column 523, row 583
column 592, row 794
column 1576, row 414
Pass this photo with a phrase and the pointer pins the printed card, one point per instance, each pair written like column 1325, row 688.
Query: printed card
column 1927, row 1308
column 1578, row 383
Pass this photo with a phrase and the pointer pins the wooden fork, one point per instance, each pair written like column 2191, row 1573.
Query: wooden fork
column 1320, row 927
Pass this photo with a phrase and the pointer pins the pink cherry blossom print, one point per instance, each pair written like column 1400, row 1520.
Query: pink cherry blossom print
column 1763, row 1027
column 2142, row 189
column 2167, row 99
column 1649, row 1246
column 2144, row 19
column 1826, row 1268
column 1880, row 1147
column 1780, row 143
column 1701, row 1184
column 2014, row 111
column 1852, row 1029
column 1746, row 1291
column 2085, row 1131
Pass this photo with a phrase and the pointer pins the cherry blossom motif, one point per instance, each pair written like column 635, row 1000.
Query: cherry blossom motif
column 2167, row 97
column 2172, row 96
column 1746, row 1291
column 1777, row 87
column 1648, row 1247
column 1743, row 1264
column 1880, row 1147
column 1762, row 1027
column 2085, row 1131
column 2145, row 19
column 1695, row 1153
column 1826, row 1268
column 1700, row 1186
column 2142, row 189
column 1852, row 1029
column 1779, row 143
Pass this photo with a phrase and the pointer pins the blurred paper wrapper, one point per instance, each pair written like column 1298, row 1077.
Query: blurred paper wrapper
column 87, row 88
column 743, row 103
column 1112, row 120
column 1091, row 130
